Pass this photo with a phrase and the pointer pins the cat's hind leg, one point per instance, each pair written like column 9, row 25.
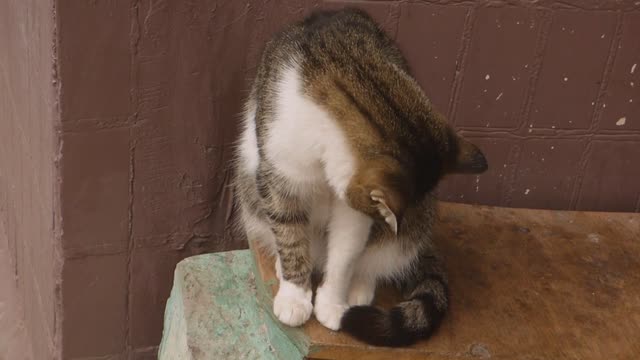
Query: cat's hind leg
column 362, row 290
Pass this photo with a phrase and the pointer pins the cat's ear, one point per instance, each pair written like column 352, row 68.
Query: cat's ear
column 468, row 159
column 389, row 207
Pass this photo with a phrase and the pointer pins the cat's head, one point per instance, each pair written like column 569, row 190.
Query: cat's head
column 386, row 187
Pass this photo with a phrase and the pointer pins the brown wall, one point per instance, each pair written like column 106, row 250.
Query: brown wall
column 27, row 152
column 149, row 93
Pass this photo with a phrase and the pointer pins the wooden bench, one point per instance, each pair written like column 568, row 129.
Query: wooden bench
column 524, row 284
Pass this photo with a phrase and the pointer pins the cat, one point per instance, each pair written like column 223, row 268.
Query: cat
column 337, row 160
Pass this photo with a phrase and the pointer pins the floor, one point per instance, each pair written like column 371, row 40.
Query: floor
column 13, row 337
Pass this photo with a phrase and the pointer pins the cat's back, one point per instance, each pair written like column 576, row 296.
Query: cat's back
column 297, row 132
column 326, row 88
column 329, row 40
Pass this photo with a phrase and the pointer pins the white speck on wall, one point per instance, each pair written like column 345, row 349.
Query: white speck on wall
column 530, row 130
column 504, row 165
column 526, row 66
column 543, row 159
column 530, row 125
column 477, row 183
column 526, row 192
column 633, row 68
column 499, row 96
column 604, row 105
column 593, row 103
column 566, row 79
column 594, row 238
column 570, row 121
column 621, row 121
column 553, row 147
column 602, row 36
column 553, row 126
column 630, row 100
column 485, row 90
column 487, row 77
column 513, row 78
column 435, row 57
column 563, row 28
column 632, row 84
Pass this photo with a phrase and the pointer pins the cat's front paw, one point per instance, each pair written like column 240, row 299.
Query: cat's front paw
column 361, row 293
column 292, row 304
column 329, row 309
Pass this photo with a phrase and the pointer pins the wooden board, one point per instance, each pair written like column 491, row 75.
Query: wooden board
column 524, row 284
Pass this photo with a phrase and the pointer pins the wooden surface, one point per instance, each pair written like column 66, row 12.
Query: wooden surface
column 524, row 284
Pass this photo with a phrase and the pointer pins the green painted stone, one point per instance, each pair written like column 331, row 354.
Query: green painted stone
column 214, row 313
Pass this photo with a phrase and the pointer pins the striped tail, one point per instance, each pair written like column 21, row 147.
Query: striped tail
column 406, row 323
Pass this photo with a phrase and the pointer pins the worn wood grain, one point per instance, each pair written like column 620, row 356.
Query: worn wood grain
column 525, row 284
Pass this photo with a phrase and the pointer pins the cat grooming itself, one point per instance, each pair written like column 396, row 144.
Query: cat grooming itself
column 339, row 154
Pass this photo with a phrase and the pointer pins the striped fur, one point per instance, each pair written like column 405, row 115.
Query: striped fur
column 338, row 157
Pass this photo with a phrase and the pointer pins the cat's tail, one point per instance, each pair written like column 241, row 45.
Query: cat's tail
column 406, row 323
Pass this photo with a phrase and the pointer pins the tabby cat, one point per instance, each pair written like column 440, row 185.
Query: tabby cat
column 335, row 169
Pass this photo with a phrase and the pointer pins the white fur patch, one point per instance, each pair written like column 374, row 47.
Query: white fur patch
column 304, row 143
column 385, row 261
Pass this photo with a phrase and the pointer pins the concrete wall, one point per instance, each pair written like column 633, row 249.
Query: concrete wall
column 118, row 119
column 27, row 161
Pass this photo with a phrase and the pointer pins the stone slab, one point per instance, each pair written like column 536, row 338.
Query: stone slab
column 213, row 313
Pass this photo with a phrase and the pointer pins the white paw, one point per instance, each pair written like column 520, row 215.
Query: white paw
column 361, row 293
column 329, row 309
column 292, row 304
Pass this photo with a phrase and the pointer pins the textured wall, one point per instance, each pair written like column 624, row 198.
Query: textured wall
column 149, row 96
column 27, row 148
column 149, row 92
column 549, row 90
column 159, row 84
